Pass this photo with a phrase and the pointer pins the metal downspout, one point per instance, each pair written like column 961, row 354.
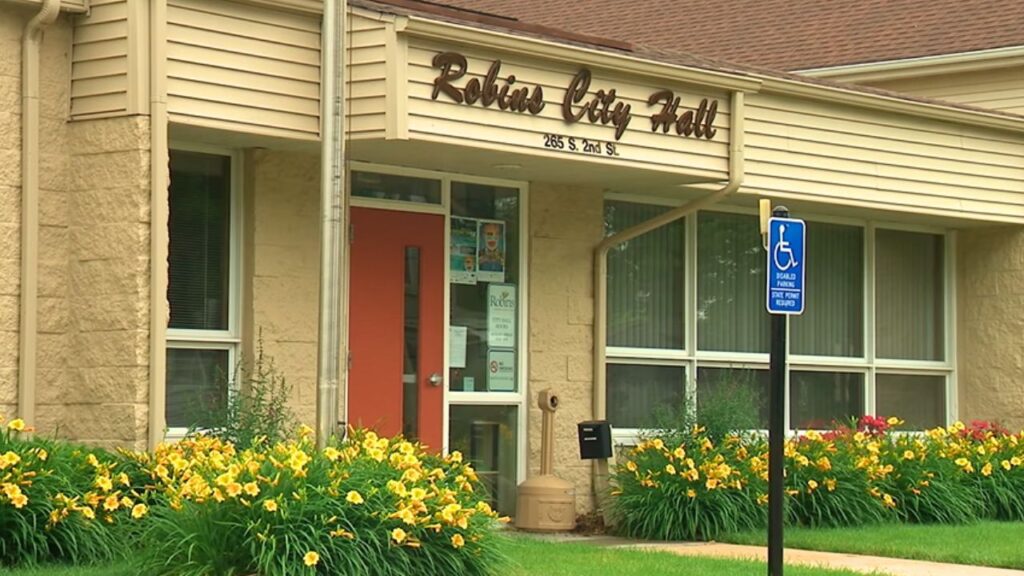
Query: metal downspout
column 29, row 324
column 159, row 158
column 736, row 172
column 332, row 220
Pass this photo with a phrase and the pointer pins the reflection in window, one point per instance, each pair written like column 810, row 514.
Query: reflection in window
column 486, row 436
column 199, row 227
column 398, row 188
column 818, row 400
column 746, row 390
column 833, row 320
column 920, row 400
column 485, row 205
column 910, row 300
column 197, row 384
column 730, row 284
column 645, row 280
column 643, row 396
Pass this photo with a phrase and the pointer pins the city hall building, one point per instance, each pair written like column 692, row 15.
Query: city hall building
column 535, row 195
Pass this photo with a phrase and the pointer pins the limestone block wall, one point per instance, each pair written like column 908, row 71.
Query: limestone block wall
column 283, row 238
column 990, row 324
column 12, row 20
column 93, row 347
column 565, row 226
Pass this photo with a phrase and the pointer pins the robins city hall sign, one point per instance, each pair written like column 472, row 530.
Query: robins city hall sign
column 579, row 104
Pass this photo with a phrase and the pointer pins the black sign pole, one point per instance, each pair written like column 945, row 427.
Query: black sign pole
column 776, row 434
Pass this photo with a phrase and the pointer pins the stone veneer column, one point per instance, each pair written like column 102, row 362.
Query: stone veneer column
column 566, row 223
column 105, row 390
column 990, row 325
column 284, row 208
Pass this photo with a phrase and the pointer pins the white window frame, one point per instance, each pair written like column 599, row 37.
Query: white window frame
column 231, row 338
column 693, row 359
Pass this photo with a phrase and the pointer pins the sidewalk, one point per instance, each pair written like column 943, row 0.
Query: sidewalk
column 866, row 564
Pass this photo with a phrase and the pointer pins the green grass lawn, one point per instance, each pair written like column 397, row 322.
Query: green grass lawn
column 536, row 558
column 68, row 571
column 996, row 544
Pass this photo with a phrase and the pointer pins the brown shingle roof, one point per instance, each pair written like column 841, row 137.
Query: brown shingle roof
column 444, row 11
column 782, row 34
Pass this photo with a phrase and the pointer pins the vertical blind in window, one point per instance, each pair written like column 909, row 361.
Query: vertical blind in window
column 644, row 396
column 199, row 226
column 833, row 320
column 730, row 284
column 645, row 280
column 909, row 295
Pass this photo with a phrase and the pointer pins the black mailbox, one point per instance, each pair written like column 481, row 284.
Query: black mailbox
column 595, row 439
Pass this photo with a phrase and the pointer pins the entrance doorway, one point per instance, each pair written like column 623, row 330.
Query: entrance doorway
column 396, row 382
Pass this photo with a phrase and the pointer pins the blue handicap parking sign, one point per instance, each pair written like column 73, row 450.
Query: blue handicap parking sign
column 786, row 265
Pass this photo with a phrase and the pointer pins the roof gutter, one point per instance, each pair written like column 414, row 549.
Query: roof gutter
column 73, row 6
column 30, row 136
column 922, row 66
column 874, row 101
column 736, row 173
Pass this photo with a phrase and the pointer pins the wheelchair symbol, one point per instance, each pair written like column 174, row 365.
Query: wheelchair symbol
column 782, row 254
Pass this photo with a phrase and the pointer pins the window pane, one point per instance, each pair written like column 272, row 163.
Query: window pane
column 638, row 396
column 487, row 436
column 920, row 400
column 485, row 302
column 196, row 384
column 199, row 226
column 723, row 386
column 819, row 399
column 645, row 280
column 391, row 187
column 730, row 284
column 833, row 321
column 909, row 283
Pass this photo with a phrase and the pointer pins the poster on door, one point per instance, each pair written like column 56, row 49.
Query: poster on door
column 462, row 251
column 501, row 315
column 501, row 370
column 490, row 255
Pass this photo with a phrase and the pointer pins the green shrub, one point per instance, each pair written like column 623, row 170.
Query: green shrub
column 927, row 485
column 254, row 405
column 684, row 486
column 366, row 506
column 51, row 509
column 689, row 490
column 829, row 483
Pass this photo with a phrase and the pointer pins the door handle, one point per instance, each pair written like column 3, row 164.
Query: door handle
column 435, row 379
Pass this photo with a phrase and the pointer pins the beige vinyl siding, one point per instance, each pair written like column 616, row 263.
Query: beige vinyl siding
column 444, row 120
column 99, row 60
column 809, row 150
column 999, row 89
column 243, row 68
column 370, row 42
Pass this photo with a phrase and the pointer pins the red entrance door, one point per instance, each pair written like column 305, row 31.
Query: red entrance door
column 396, row 329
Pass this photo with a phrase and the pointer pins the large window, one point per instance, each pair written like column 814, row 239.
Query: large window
column 202, row 337
column 687, row 320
